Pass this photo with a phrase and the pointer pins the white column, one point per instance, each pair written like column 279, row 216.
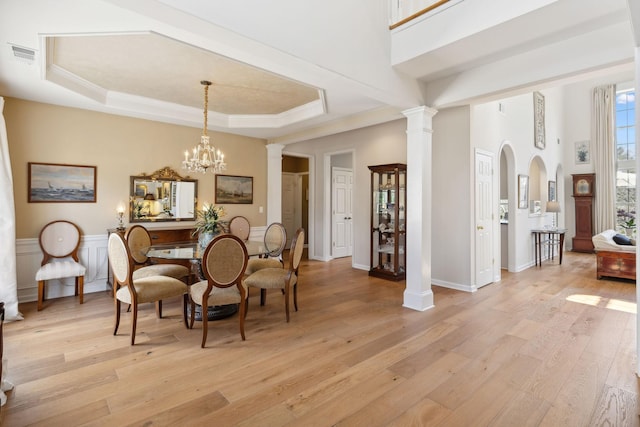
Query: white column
column 418, row 294
column 274, row 183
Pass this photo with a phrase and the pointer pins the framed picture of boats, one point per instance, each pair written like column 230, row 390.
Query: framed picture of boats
column 51, row 183
column 234, row 189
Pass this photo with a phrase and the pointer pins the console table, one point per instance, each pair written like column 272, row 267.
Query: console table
column 158, row 236
column 549, row 237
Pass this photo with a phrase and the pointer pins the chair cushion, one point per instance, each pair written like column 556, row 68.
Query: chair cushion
column 60, row 269
column 172, row 270
column 218, row 296
column 256, row 264
column 153, row 288
column 269, row 278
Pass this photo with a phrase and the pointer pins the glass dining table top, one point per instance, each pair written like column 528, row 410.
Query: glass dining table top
column 193, row 251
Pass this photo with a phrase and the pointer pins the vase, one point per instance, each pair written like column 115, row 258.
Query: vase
column 205, row 238
column 628, row 232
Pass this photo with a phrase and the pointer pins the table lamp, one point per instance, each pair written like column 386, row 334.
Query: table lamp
column 554, row 207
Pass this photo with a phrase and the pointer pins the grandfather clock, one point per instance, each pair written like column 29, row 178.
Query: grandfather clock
column 583, row 191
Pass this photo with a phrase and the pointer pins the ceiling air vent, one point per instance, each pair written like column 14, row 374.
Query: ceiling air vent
column 23, row 53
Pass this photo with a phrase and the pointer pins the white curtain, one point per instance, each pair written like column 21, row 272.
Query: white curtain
column 604, row 148
column 8, row 278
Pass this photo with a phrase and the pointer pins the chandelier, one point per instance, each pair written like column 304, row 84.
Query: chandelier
column 204, row 156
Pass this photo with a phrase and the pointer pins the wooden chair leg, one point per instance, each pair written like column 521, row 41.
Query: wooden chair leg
column 286, row 301
column 242, row 315
column 159, row 309
column 117, row 306
column 184, row 309
column 134, row 322
column 40, row 294
column 205, row 322
column 193, row 313
column 80, row 288
column 263, row 296
column 295, row 296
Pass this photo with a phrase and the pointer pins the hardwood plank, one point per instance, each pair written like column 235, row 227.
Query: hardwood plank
column 616, row 408
column 546, row 346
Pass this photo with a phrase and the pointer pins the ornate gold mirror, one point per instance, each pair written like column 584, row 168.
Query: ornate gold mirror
column 163, row 196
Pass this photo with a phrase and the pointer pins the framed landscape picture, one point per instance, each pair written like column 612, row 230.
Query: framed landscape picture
column 234, row 189
column 51, row 183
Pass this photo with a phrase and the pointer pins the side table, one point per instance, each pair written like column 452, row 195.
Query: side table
column 548, row 237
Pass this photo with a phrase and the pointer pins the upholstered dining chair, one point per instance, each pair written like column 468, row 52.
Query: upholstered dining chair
column 223, row 265
column 239, row 226
column 59, row 241
column 138, row 238
column 281, row 278
column 134, row 292
column 275, row 239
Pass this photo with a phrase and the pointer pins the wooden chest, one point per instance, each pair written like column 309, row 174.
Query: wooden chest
column 616, row 264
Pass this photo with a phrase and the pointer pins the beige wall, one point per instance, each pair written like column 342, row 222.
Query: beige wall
column 119, row 147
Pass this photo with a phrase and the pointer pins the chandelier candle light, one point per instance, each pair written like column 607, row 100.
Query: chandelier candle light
column 205, row 156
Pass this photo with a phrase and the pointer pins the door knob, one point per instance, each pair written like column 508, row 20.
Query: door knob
column 480, row 227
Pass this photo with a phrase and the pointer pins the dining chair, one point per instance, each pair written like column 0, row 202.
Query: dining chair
column 59, row 241
column 134, row 292
column 275, row 239
column 138, row 238
column 239, row 226
column 281, row 278
column 223, row 265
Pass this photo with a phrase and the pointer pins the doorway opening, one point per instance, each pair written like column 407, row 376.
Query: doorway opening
column 295, row 196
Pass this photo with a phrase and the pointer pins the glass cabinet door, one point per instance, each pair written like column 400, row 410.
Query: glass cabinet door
column 388, row 186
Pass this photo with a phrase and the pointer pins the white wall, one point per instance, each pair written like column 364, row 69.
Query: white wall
column 577, row 114
column 452, row 214
column 511, row 121
column 374, row 145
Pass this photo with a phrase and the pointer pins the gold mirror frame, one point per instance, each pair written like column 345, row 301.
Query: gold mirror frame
column 162, row 196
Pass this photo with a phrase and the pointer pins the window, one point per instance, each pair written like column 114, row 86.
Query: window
column 626, row 158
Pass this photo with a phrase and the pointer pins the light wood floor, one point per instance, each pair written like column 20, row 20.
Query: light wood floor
column 550, row 346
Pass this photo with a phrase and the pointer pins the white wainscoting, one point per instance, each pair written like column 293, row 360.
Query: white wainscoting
column 92, row 254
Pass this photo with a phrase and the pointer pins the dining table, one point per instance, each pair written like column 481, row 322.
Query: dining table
column 192, row 252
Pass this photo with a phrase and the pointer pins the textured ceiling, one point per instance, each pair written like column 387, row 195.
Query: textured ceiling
column 157, row 67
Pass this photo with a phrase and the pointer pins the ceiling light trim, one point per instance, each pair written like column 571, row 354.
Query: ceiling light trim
column 72, row 82
column 58, row 75
column 304, row 112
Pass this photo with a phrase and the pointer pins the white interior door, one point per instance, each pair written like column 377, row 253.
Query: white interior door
column 484, row 219
column 289, row 181
column 342, row 212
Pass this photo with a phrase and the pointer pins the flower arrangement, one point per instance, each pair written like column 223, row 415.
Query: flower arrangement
column 136, row 207
column 208, row 219
column 626, row 220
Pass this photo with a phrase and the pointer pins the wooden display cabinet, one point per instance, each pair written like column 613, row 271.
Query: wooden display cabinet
column 388, row 224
